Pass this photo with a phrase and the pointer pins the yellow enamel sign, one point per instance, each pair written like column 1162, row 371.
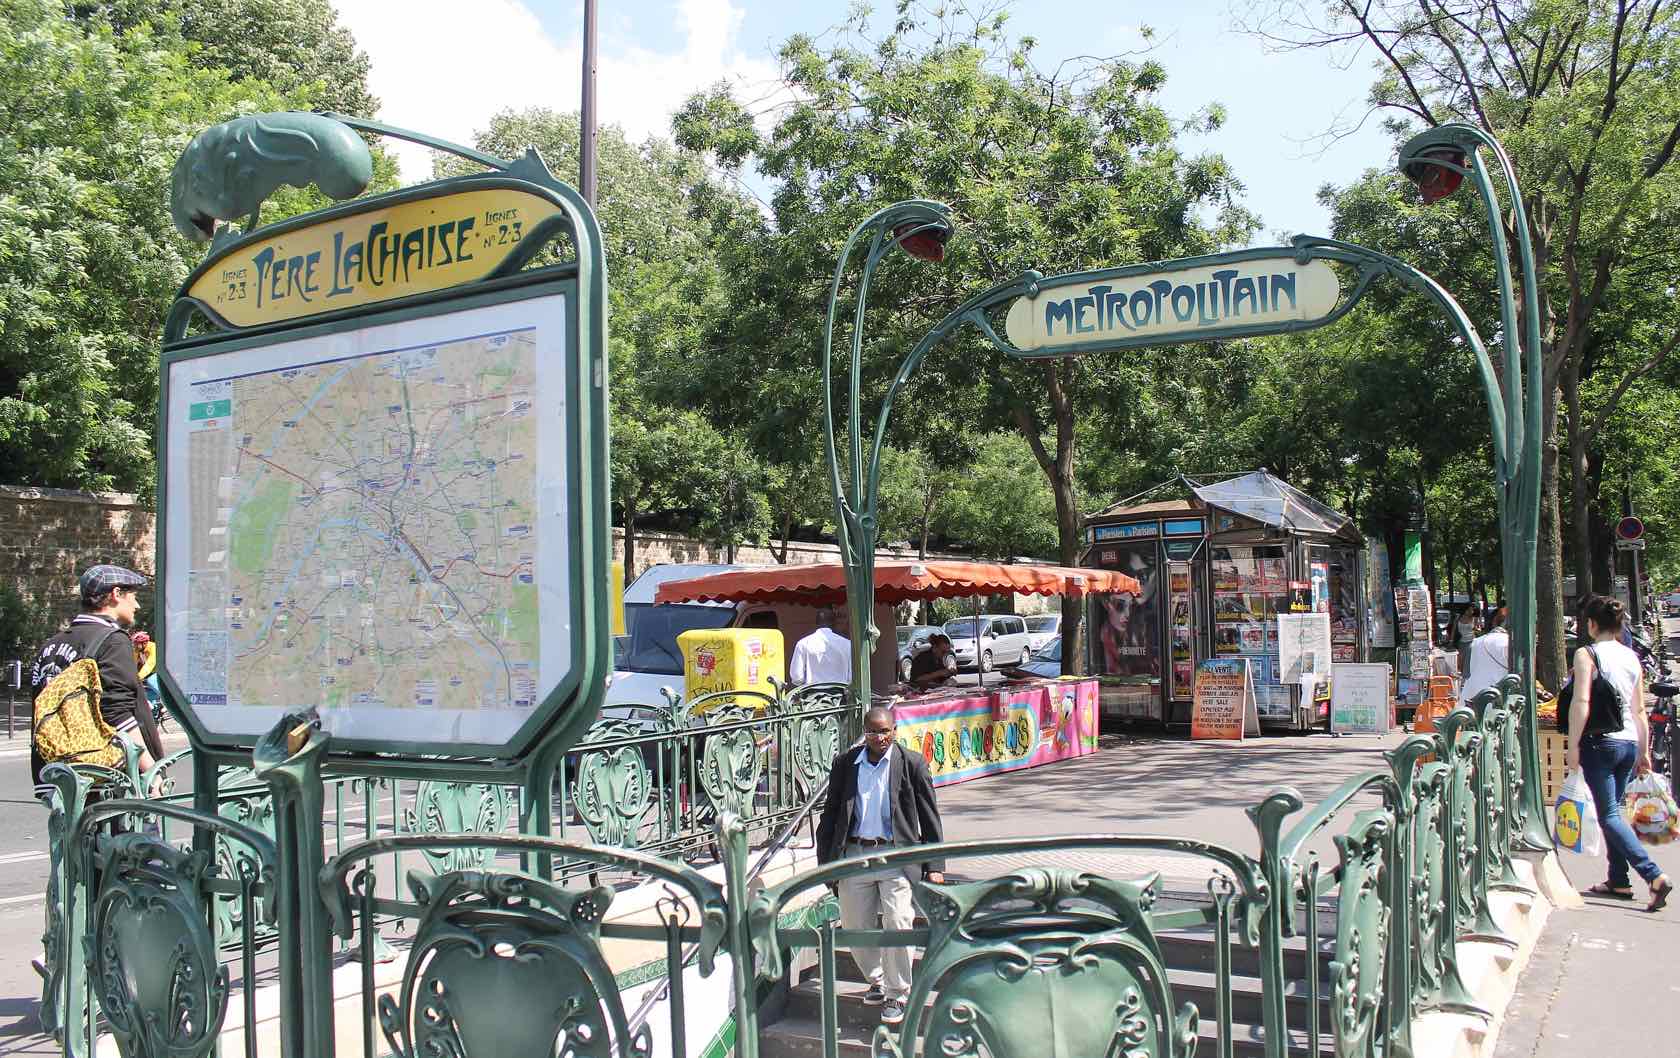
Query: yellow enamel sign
column 410, row 248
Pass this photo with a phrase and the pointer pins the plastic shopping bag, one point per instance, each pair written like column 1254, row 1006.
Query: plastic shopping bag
column 1577, row 818
column 1650, row 810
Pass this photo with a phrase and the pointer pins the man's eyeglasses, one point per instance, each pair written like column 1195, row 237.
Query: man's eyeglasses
column 878, row 732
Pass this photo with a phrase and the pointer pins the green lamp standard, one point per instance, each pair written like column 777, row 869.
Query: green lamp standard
column 921, row 229
column 1438, row 160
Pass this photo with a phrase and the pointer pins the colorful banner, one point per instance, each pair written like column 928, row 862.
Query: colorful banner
column 964, row 738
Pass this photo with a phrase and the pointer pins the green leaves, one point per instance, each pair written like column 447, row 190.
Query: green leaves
column 94, row 109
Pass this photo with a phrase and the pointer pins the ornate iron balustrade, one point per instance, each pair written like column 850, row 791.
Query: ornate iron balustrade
column 505, row 960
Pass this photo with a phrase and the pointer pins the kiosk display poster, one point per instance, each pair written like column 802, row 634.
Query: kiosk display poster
column 1250, row 588
column 1128, row 627
column 1303, row 646
column 1182, row 634
column 1359, row 701
column 1224, row 701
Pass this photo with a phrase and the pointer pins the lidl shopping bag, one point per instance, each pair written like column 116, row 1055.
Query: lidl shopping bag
column 1650, row 810
column 1577, row 819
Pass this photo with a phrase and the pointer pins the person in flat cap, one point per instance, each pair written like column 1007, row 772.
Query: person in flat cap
column 110, row 597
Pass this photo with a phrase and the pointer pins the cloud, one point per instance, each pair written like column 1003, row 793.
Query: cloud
column 443, row 67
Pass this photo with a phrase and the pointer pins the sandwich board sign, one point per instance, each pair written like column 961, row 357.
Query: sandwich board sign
column 1360, row 700
column 1224, row 706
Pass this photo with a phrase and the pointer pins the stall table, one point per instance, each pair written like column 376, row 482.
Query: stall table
column 969, row 733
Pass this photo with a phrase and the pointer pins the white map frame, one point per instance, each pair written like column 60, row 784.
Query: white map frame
column 548, row 315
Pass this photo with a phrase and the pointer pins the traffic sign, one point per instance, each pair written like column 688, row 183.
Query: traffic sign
column 1630, row 528
column 1630, row 545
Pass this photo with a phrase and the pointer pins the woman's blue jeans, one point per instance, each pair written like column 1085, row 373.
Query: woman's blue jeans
column 1608, row 764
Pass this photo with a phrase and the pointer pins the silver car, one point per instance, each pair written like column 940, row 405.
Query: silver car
column 999, row 639
column 1042, row 629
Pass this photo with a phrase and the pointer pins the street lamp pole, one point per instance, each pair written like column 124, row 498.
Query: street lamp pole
column 920, row 228
column 1438, row 160
column 586, row 111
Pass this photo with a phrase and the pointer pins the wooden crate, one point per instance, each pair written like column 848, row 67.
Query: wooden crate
column 1554, row 748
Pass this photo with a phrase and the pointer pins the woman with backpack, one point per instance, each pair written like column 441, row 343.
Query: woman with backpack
column 1609, row 740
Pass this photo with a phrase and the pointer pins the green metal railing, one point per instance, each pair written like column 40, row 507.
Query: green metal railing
column 1388, row 875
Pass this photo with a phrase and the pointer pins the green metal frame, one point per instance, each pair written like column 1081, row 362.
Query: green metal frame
column 1513, row 408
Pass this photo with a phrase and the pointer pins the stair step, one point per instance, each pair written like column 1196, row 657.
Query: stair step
column 1198, row 950
column 801, row 1037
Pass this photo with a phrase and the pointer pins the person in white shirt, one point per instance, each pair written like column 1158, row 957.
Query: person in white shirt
column 824, row 656
column 1490, row 658
column 1609, row 756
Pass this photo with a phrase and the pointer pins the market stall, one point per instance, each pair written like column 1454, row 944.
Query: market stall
column 1234, row 568
column 962, row 732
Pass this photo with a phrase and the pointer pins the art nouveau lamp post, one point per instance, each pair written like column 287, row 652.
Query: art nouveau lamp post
column 1437, row 160
column 921, row 229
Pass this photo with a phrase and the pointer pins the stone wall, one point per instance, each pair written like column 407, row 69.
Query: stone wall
column 48, row 536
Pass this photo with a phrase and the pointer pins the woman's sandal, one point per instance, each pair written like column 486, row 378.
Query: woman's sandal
column 1659, row 896
column 1604, row 889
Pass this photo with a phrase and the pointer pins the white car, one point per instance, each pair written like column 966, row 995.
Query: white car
column 1042, row 629
column 998, row 639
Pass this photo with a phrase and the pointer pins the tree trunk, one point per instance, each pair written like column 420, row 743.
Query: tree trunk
column 629, row 540
column 787, row 535
column 1058, row 467
column 1549, row 664
column 1580, row 480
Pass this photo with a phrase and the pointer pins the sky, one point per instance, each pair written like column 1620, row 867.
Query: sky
column 444, row 67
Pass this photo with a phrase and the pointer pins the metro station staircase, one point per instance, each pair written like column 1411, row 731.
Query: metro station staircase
column 1191, row 958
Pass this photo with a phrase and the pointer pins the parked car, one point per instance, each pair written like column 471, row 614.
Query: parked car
column 1002, row 640
column 1046, row 662
column 912, row 640
column 1042, row 629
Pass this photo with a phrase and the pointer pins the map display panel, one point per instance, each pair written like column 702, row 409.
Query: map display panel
column 372, row 523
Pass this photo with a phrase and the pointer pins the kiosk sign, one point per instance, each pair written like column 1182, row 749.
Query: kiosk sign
column 1266, row 294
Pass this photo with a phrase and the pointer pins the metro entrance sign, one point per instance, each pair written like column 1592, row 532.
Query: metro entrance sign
column 382, row 498
column 1226, row 295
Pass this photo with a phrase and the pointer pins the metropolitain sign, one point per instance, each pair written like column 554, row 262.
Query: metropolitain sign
column 1168, row 305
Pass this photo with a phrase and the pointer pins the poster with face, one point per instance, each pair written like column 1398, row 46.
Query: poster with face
column 1128, row 627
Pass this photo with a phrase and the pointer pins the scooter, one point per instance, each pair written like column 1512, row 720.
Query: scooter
column 1661, row 719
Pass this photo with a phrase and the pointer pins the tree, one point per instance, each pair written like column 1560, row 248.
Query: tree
column 1584, row 99
column 1003, row 507
column 91, row 121
column 295, row 47
column 1056, row 170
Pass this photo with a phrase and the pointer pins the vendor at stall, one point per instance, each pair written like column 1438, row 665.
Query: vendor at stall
column 935, row 666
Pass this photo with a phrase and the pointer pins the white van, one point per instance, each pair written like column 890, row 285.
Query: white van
column 647, row 657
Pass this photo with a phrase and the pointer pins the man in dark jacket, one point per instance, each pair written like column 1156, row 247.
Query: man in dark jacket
column 880, row 797
column 109, row 601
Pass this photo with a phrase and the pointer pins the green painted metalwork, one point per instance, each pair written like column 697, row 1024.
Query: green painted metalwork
column 614, row 788
column 1081, row 971
column 229, row 169
column 458, row 808
column 1364, row 919
column 507, row 965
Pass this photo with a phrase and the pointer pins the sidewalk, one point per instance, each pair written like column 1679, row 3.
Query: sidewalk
column 1604, row 980
column 1154, row 785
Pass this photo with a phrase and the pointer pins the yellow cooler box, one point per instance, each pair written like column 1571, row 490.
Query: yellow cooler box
column 731, row 659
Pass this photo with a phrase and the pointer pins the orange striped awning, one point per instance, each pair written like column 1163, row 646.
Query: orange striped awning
column 824, row 584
